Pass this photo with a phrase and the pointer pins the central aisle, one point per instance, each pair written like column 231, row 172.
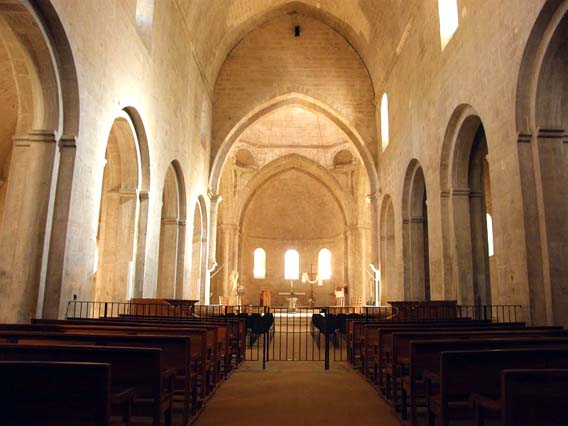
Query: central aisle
column 297, row 394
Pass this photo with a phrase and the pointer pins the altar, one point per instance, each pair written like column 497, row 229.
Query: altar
column 292, row 299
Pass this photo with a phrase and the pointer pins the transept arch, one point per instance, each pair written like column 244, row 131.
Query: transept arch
column 303, row 101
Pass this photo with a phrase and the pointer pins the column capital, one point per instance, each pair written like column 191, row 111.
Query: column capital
column 67, row 141
column 373, row 197
column 34, row 136
column 214, row 197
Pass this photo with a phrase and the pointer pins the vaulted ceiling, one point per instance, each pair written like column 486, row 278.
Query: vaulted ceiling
column 375, row 28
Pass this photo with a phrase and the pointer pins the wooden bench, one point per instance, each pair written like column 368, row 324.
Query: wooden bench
column 219, row 334
column 528, row 398
column 465, row 373
column 382, row 353
column 204, row 340
column 177, row 355
column 138, row 368
column 55, row 393
column 425, row 357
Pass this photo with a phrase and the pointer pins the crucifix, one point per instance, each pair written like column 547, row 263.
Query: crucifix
column 292, row 299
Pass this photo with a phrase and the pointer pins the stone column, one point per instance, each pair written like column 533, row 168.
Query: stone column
column 463, row 268
column 167, row 262
column 552, row 146
column 58, row 291
column 143, row 198
column 181, row 292
column 24, row 223
column 215, row 201
column 480, row 256
column 417, row 275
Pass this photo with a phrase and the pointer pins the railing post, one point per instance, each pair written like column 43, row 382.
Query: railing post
column 264, row 354
column 326, row 349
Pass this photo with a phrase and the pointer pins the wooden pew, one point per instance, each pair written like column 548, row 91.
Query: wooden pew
column 397, row 361
column 528, row 398
column 55, row 393
column 382, row 355
column 177, row 355
column 218, row 335
column 357, row 337
column 204, row 339
column 463, row 373
column 425, row 357
column 138, row 368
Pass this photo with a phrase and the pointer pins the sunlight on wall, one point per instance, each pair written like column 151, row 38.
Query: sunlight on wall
column 385, row 121
column 490, row 235
column 448, row 10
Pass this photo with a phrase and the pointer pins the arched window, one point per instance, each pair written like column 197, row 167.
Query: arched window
column 448, row 10
column 385, row 121
column 292, row 265
column 324, row 264
column 259, row 268
column 490, row 235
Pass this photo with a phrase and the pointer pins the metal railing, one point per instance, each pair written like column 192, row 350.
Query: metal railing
column 299, row 334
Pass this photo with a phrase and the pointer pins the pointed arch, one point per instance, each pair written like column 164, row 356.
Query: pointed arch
column 304, row 101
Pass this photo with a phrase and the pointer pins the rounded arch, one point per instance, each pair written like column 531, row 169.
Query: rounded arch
column 465, row 200
column 416, row 250
column 536, row 53
column 54, row 80
column 542, row 126
column 458, row 139
column 119, row 217
column 303, row 165
column 139, row 129
column 171, row 259
column 292, row 99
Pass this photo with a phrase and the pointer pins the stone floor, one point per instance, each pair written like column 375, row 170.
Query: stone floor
column 296, row 393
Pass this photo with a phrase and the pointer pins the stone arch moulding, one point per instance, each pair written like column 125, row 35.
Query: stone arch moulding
column 304, row 165
column 47, row 140
column 292, row 99
column 542, row 129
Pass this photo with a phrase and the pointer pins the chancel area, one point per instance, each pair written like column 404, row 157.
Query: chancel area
column 249, row 212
